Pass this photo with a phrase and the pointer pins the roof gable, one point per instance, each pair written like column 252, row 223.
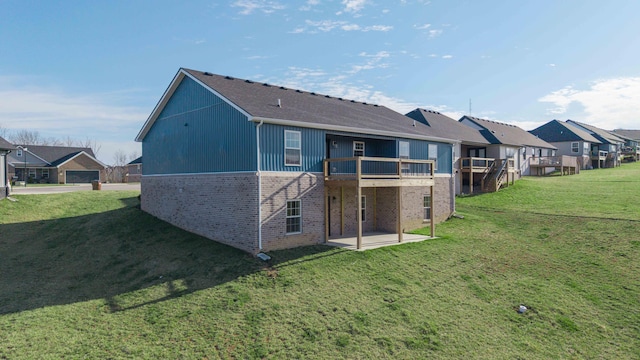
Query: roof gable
column 446, row 127
column 601, row 134
column 5, row 145
column 70, row 157
column 507, row 134
column 557, row 131
column 631, row 134
column 281, row 105
column 55, row 154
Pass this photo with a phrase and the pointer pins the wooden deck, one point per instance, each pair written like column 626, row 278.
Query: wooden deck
column 375, row 240
column 567, row 165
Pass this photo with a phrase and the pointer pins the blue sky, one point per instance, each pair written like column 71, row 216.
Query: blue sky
column 89, row 69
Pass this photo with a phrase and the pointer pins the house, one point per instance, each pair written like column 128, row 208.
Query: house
column 606, row 154
column 506, row 158
column 54, row 164
column 570, row 140
column 263, row 167
column 134, row 171
column 631, row 150
column 5, row 149
column 470, row 142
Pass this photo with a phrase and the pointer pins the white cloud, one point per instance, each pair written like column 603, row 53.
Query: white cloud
column 608, row 103
column 353, row 6
column 552, row 65
column 435, row 33
column 329, row 25
column 447, row 56
column 249, row 6
column 422, row 27
column 309, row 5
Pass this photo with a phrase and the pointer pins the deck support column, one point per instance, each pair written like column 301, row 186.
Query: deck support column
column 326, row 215
column 359, row 202
column 433, row 222
column 399, row 221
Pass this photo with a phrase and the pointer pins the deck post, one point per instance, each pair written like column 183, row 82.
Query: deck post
column 326, row 214
column 359, row 201
column 399, row 220
column 433, row 222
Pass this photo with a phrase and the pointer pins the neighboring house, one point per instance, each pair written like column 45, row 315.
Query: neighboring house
column 608, row 153
column 570, row 140
column 5, row 149
column 54, row 164
column 509, row 152
column 631, row 150
column 263, row 167
column 134, row 171
column 470, row 141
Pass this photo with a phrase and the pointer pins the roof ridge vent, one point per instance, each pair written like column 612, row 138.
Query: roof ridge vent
column 249, row 81
column 313, row 93
column 283, row 88
column 208, row 73
column 299, row 91
column 228, row 77
column 327, row 96
column 267, row 85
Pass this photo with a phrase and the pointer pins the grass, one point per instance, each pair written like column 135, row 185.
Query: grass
column 88, row 275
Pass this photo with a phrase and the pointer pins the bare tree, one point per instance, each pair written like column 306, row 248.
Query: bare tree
column 26, row 137
column 4, row 132
column 117, row 172
column 68, row 141
column 134, row 155
column 91, row 144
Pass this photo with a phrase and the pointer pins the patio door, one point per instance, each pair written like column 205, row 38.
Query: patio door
column 477, row 152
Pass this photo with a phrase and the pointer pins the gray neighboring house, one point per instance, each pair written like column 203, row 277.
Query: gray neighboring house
column 470, row 140
column 631, row 150
column 570, row 140
column 5, row 149
column 510, row 146
column 134, row 171
column 608, row 153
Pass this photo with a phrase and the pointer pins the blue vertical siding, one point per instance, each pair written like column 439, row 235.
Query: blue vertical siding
column 313, row 148
column 197, row 132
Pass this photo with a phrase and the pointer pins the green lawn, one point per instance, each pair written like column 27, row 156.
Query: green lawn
column 88, row 275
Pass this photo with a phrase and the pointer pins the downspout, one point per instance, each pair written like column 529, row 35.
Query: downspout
column 259, row 173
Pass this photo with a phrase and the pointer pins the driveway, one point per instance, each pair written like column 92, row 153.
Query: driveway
column 34, row 190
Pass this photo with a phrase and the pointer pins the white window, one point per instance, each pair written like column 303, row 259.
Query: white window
column 433, row 154
column 585, row 147
column 45, row 173
column 403, row 153
column 363, row 204
column 294, row 216
column 575, row 147
column 19, row 153
column 358, row 148
column 32, row 173
column 426, row 204
column 292, row 148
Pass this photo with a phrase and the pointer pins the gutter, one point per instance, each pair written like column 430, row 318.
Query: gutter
column 259, row 174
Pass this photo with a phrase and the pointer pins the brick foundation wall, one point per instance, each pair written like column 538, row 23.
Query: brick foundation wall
column 277, row 188
column 381, row 209
column 221, row 207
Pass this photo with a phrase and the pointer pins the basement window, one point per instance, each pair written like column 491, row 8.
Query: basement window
column 426, row 204
column 294, row 216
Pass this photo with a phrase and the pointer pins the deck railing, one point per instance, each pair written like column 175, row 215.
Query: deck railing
column 362, row 167
column 600, row 154
column 553, row 161
column 475, row 164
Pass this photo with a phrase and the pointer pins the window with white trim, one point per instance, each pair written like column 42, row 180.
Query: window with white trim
column 433, row 154
column 363, row 204
column 294, row 216
column 45, row 173
column 426, row 204
column 19, row 153
column 575, row 147
column 32, row 173
column 358, row 148
column 292, row 148
column 403, row 153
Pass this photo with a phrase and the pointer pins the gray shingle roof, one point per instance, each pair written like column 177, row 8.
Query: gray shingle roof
column 631, row 134
column 558, row 131
column 600, row 133
column 507, row 134
column 260, row 100
column 5, row 145
column 56, row 154
column 446, row 127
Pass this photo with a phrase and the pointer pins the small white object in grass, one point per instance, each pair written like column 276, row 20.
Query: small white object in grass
column 263, row 257
column 160, row 276
column 522, row 309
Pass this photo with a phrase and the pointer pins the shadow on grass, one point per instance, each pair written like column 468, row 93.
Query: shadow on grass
column 108, row 254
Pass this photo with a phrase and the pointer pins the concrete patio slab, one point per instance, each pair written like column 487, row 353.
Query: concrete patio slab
column 376, row 240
